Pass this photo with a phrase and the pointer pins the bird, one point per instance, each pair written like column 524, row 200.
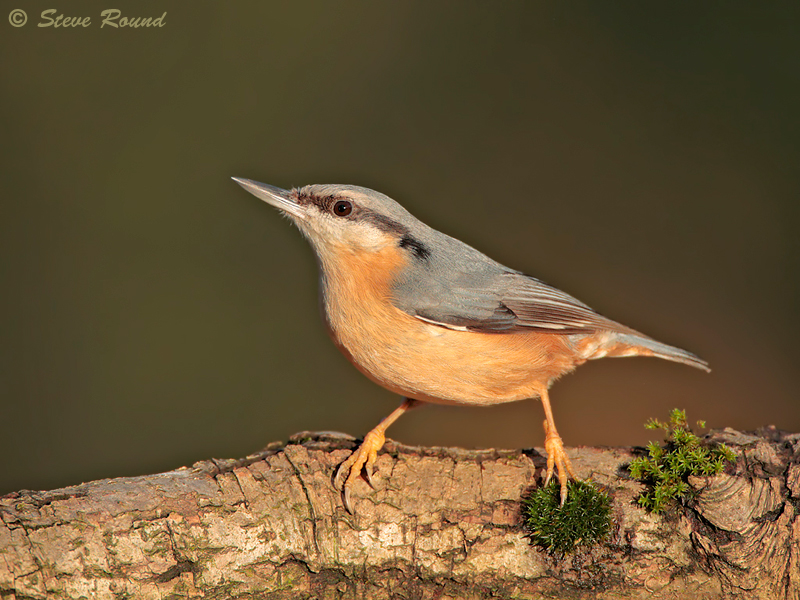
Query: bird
column 434, row 320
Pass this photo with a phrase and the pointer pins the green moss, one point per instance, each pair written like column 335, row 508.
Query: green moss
column 584, row 519
column 666, row 470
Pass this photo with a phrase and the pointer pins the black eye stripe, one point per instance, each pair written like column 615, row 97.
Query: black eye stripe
column 359, row 213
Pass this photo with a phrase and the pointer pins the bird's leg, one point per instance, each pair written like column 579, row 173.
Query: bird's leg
column 557, row 458
column 367, row 453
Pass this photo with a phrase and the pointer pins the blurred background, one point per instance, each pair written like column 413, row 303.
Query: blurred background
column 642, row 157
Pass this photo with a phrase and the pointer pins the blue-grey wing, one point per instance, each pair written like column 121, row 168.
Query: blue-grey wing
column 497, row 301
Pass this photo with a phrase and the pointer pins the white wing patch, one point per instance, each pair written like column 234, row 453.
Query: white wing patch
column 445, row 325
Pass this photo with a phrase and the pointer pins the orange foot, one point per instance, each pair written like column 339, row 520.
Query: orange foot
column 363, row 458
column 557, row 459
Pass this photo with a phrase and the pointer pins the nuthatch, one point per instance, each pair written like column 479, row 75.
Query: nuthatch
column 434, row 320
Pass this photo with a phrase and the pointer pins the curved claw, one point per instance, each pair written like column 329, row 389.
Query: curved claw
column 363, row 458
column 369, row 470
column 557, row 460
column 348, row 504
column 337, row 479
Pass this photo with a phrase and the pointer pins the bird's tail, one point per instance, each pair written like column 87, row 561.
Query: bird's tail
column 627, row 344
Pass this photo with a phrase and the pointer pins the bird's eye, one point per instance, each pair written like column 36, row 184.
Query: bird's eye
column 342, row 208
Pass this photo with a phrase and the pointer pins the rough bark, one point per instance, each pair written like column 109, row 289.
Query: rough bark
column 443, row 523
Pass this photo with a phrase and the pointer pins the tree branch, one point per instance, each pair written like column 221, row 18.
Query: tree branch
column 443, row 522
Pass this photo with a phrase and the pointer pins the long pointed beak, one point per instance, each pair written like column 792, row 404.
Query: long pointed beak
column 277, row 197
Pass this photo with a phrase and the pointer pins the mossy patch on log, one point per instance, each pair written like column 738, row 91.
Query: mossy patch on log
column 666, row 469
column 584, row 519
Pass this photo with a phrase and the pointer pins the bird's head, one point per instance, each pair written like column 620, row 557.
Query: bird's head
column 338, row 219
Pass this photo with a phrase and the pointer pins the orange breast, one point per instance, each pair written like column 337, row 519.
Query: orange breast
column 424, row 361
